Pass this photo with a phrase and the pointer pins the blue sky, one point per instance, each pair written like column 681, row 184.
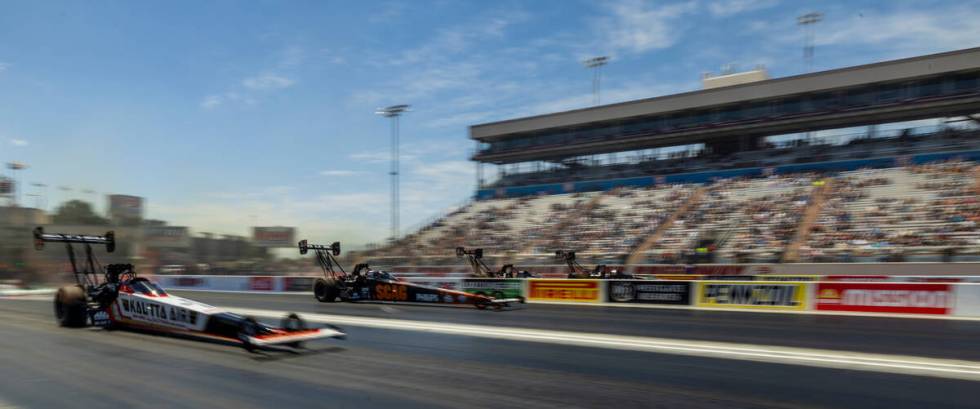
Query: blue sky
column 228, row 114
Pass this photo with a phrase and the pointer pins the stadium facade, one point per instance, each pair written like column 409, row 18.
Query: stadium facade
column 729, row 121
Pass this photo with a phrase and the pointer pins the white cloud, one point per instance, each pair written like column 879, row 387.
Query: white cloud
column 461, row 39
column 19, row 142
column 4, row 66
column 460, row 119
column 267, row 81
column 212, row 101
column 913, row 30
column 338, row 172
column 371, row 157
column 292, row 56
column 725, row 8
column 387, row 12
column 636, row 26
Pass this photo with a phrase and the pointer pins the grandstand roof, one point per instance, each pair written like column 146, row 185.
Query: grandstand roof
column 895, row 70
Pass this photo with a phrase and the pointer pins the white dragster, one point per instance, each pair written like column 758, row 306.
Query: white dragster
column 121, row 299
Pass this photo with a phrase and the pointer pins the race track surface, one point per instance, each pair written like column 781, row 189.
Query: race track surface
column 45, row 366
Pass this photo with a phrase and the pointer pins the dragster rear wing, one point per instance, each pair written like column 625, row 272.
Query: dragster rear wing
column 40, row 237
column 305, row 246
column 476, row 253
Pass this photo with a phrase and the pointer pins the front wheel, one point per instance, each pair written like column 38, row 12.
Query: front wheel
column 71, row 307
column 249, row 327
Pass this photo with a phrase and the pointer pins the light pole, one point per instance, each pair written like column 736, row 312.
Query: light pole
column 15, row 166
column 807, row 21
column 394, row 112
column 43, row 195
column 595, row 64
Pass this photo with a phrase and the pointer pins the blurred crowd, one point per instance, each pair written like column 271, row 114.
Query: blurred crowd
column 892, row 214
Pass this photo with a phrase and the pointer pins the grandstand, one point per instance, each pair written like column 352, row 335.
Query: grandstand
column 747, row 173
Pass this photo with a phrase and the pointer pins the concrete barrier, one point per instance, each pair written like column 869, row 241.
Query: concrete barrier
column 955, row 296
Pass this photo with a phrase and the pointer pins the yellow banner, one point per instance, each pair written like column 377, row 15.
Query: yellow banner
column 762, row 295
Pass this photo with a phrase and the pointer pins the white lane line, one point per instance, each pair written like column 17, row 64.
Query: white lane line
column 908, row 365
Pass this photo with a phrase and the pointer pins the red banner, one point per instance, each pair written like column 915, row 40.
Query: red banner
column 885, row 297
column 861, row 278
column 261, row 283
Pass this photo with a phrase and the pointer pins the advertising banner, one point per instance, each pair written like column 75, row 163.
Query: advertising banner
column 298, row 284
column 763, row 295
column 765, row 277
column 649, row 292
column 277, row 236
column 563, row 290
column 261, row 283
column 885, row 297
column 494, row 287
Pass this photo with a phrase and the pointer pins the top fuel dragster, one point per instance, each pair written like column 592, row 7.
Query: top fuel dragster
column 364, row 284
column 119, row 298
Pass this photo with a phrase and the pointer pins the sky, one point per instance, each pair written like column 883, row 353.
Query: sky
column 231, row 114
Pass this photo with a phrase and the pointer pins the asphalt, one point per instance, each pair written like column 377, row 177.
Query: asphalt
column 901, row 336
column 45, row 366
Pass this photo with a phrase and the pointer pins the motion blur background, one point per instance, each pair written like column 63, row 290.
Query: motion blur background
column 697, row 136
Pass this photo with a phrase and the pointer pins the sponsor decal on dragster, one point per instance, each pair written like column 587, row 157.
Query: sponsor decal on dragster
column 647, row 292
column 885, row 297
column 752, row 295
column 178, row 312
column 415, row 293
column 564, row 290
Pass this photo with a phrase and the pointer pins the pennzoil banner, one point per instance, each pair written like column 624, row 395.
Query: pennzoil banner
column 563, row 290
column 752, row 295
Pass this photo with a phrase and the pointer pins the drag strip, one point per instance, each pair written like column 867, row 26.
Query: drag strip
column 893, row 336
column 44, row 366
column 952, row 369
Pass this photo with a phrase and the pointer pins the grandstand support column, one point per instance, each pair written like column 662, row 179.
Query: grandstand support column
column 638, row 253
column 479, row 175
column 976, row 174
column 810, row 215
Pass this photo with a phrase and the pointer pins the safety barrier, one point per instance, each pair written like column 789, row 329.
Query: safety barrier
column 909, row 295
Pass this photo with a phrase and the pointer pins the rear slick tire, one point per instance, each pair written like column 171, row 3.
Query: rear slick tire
column 325, row 291
column 71, row 307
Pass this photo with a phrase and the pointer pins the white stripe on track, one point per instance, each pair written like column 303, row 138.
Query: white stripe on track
column 908, row 365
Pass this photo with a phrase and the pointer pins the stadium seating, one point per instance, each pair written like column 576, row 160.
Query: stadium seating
column 898, row 213
column 913, row 213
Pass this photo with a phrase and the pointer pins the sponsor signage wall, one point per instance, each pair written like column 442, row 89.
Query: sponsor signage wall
column 649, row 292
column 917, row 298
column 764, row 295
column 497, row 288
column 277, row 236
column 563, row 290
